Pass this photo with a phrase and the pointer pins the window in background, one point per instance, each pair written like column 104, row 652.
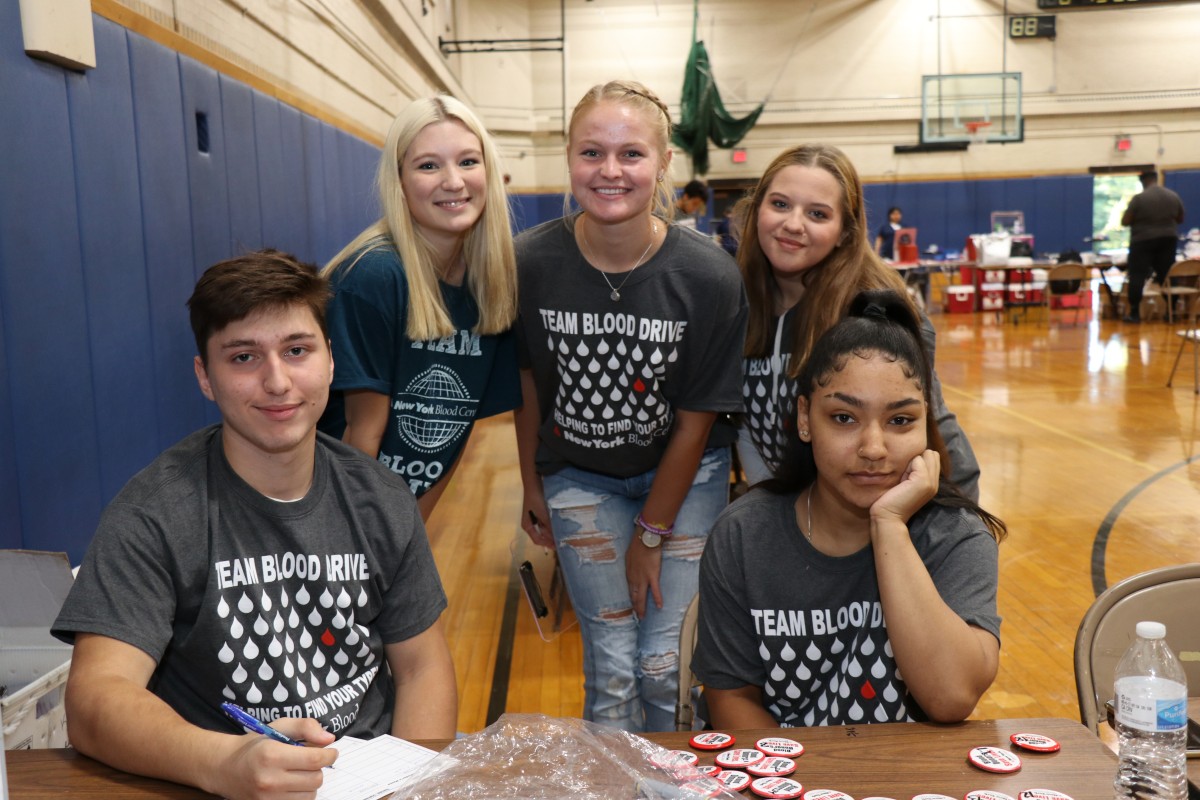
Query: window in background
column 1110, row 195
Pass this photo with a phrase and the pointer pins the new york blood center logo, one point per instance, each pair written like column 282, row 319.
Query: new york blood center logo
column 289, row 650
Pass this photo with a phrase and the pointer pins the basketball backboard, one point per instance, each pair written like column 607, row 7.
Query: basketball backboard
column 971, row 108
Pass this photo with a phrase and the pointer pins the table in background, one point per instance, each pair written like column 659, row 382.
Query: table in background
column 895, row 760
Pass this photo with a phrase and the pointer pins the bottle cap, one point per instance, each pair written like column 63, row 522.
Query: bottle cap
column 1151, row 630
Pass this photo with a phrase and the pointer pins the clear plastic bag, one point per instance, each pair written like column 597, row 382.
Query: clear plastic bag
column 535, row 757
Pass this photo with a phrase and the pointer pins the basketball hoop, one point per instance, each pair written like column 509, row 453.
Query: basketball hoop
column 978, row 130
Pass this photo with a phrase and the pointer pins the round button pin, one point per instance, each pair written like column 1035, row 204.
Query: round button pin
column 703, row 787
column 712, row 740
column 672, row 759
column 778, row 746
column 739, row 758
column 1035, row 742
column 733, row 779
column 932, row 796
column 1043, row 794
column 986, row 794
column 826, row 794
column 772, row 767
column 708, row 770
column 777, row 788
column 993, row 759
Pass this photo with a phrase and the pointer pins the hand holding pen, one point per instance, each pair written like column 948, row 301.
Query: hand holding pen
column 252, row 724
column 253, row 767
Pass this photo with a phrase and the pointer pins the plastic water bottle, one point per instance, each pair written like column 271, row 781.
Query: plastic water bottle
column 1151, row 718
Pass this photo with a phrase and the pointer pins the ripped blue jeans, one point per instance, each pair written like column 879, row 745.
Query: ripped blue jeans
column 630, row 665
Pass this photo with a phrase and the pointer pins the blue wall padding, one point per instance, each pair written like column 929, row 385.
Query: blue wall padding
column 241, row 166
column 108, row 215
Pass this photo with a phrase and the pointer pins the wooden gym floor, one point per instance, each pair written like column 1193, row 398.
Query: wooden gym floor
column 1086, row 454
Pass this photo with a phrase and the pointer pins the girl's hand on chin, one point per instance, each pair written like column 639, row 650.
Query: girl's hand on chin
column 916, row 488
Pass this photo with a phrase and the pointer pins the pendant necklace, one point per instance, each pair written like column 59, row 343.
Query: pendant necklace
column 616, row 290
column 808, row 533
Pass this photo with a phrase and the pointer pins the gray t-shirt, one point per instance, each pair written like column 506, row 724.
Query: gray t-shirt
column 281, row 608
column 609, row 374
column 809, row 628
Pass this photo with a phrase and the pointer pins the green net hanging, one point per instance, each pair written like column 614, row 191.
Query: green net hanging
column 702, row 114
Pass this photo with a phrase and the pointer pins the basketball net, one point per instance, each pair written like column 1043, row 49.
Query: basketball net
column 978, row 130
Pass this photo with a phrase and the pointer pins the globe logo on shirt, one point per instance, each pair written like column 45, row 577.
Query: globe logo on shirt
column 434, row 409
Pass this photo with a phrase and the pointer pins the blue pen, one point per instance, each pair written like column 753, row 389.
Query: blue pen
column 250, row 723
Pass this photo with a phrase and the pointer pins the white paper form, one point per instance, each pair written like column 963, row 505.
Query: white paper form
column 368, row 769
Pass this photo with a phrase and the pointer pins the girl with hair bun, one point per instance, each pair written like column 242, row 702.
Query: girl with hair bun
column 859, row 585
column 424, row 300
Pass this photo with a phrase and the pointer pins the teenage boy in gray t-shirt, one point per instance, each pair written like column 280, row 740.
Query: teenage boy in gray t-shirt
column 260, row 563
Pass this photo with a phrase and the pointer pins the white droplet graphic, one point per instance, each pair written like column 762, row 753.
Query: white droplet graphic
column 222, row 608
column 236, row 629
column 228, row 694
column 261, row 626
column 792, row 690
column 340, row 658
column 787, row 653
column 362, row 597
column 301, row 689
column 890, row 694
column 245, row 605
column 343, row 600
column 878, row 669
column 318, row 660
column 838, row 646
column 266, row 602
column 250, row 651
column 302, row 596
column 855, row 712
column 314, row 617
column 254, row 696
column 277, row 624
column 352, row 638
column 280, row 694
column 275, row 648
column 803, row 672
column 856, row 668
column 289, row 669
column 331, row 679
column 778, row 674
column 306, row 639
column 240, row 674
column 338, row 621
column 326, row 599
column 293, row 618
column 288, row 644
column 868, row 647
column 283, row 599
column 226, row 655
column 763, row 652
column 881, row 714
column 265, row 672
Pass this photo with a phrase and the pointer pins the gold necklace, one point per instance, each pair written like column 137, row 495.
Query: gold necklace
column 808, row 533
column 616, row 290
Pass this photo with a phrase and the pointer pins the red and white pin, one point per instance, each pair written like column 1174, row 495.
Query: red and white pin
column 1035, row 742
column 993, row 759
column 703, row 787
column 932, row 796
column 779, row 746
column 986, row 794
column 708, row 770
column 739, row 758
column 873, row 797
column 772, row 767
column 712, row 740
column 1043, row 794
column 672, row 759
column 777, row 788
column 733, row 779
column 826, row 794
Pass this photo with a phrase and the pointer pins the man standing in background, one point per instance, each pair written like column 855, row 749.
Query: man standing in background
column 1152, row 217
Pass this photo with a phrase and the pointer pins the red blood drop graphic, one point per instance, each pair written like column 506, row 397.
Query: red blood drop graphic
column 868, row 691
column 327, row 638
column 557, row 432
column 639, row 386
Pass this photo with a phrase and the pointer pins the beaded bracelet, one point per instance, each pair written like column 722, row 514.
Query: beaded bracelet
column 640, row 521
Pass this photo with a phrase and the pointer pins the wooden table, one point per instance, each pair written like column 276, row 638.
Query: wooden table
column 895, row 760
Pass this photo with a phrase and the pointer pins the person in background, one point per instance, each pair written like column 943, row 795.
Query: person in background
column 691, row 205
column 859, row 585
column 424, row 300
column 631, row 338
column 885, row 240
column 1153, row 217
column 726, row 231
column 804, row 254
column 257, row 562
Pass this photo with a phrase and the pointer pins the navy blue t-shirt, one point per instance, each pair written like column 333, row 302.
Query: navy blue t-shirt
column 436, row 389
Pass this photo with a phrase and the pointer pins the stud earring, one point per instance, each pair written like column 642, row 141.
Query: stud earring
column 660, row 176
column 803, row 434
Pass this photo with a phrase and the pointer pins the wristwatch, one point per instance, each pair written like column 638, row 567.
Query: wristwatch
column 650, row 538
